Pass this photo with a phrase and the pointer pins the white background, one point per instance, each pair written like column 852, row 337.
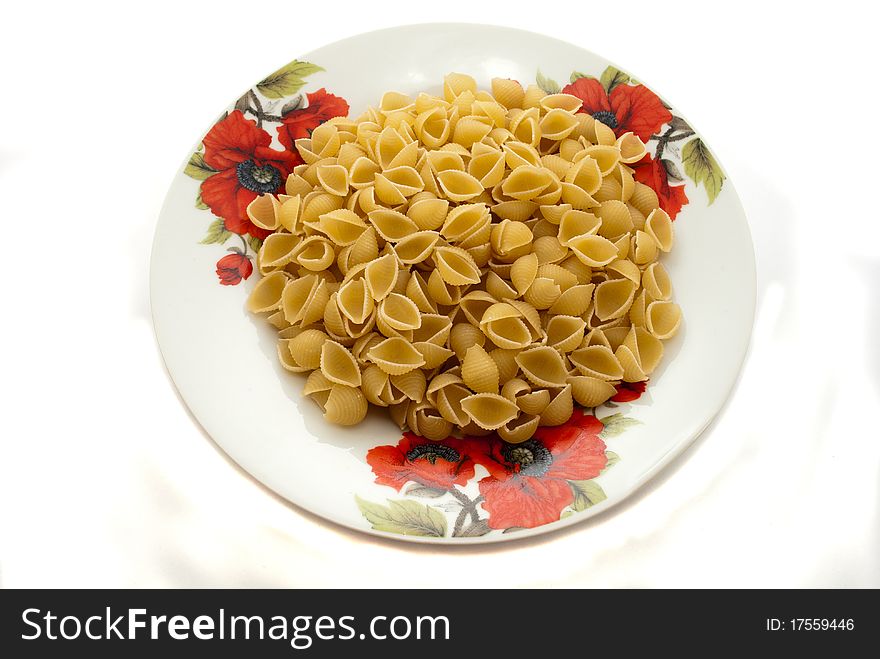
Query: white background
column 105, row 480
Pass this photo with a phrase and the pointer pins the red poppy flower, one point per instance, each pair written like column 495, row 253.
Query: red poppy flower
column 246, row 167
column 232, row 268
column 627, row 108
column 300, row 123
column 653, row 174
column 433, row 464
column 629, row 391
column 528, row 484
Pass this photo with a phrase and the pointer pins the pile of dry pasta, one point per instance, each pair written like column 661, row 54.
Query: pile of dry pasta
column 477, row 262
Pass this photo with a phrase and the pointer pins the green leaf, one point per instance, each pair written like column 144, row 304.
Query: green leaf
column 217, row 233
column 700, row 165
column 255, row 243
column 612, row 77
column 287, row 80
column 612, row 459
column 547, row 84
column 197, row 168
column 586, row 494
column 616, row 424
column 575, row 75
column 201, row 205
column 404, row 517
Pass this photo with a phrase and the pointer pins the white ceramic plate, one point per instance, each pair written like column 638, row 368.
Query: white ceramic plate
column 223, row 360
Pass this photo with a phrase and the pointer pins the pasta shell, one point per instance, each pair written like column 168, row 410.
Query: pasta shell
column 303, row 298
column 543, row 293
column 590, row 392
column 466, row 220
column 317, row 388
column 574, row 301
column 644, row 248
column 566, row 102
column 440, row 291
column 342, row 226
column 474, row 305
column 616, row 219
column 489, row 411
column 518, row 430
column 433, row 354
column 659, row 227
column 412, row 385
column 263, row 211
column 646, row 348
column 627, row 269
column 557, row 124
column 576, row 223
column 399, row 312
column 594, row 251
column 417, row 291
column 503, row 326
column 392, row 225
column 656, row 282
column 663, row 319
column 363, row 173
column 533, row 402
column 416, row 247
column 516, row 210
column 428, row 214
column 499, row 288
column 306, row 348
column 355, row 301
column 456, row 266
column 565, row 333
column 510, row 240
column 604, row 134
column 296, row 186
column 427, row 422
column 560, row 276
column 519, row 154
column 267, row 294
column 487, row 168
column 644, row 199
column 632, row 370
column 396, row 356
column 278, row 249
column 560, row 409
column 632, row 149
column 614, row 298
column 471, row 129
column 508, row 92
column 345, row 406
column 609, row 190
column 505, row 360
column 586, row 174
column 543, row 366
column 338, row 364
column 380, row 276
column 288, row 213
column 523, row 272
column 576, row 197
column 597, row 361
column 334, row 179
column 287, row 359
column 315, row 253
column 479, row 371
column 526, row 182
column 606, row 156
column 462, row 337
column 459, row 186
column 315, row 204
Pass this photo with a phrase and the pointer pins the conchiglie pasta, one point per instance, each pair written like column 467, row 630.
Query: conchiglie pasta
column 476, row 262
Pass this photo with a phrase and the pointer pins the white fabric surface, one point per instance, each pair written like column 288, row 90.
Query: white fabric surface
column 105, row 480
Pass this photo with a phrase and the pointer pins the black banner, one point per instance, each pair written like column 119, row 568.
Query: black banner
column 333, row 623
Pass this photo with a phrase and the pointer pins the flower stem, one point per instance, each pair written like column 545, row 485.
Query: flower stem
column 243, row 243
